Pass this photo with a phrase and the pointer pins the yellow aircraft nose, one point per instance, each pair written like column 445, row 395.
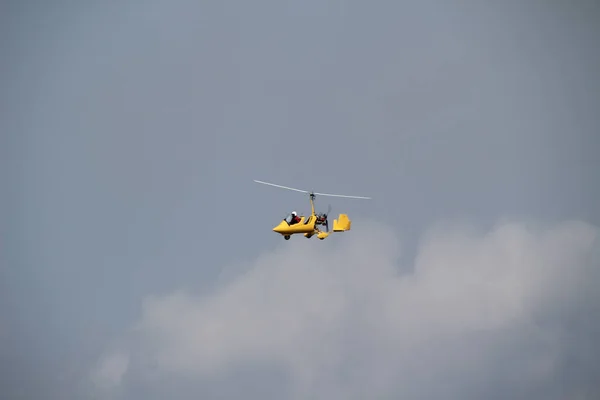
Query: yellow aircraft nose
column 281, row 228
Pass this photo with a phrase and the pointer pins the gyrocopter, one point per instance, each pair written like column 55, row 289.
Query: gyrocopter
column 309, row 225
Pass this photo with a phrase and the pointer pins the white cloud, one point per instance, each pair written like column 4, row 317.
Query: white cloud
column 475, row 313
column 110, row 370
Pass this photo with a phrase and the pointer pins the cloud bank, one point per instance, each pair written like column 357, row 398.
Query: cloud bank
column 512, row 313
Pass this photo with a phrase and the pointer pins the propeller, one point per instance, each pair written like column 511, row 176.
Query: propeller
column 324, row 215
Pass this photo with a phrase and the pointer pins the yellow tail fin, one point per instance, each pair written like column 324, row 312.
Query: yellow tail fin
column 343, row 224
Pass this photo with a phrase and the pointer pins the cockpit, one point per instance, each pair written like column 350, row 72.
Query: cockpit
column 288, row 219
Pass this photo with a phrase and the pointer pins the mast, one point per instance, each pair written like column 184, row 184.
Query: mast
column 312, row 204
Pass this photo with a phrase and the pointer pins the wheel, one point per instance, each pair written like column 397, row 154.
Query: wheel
column 287, row 237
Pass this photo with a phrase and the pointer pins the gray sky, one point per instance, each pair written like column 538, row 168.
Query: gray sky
column 130, row 138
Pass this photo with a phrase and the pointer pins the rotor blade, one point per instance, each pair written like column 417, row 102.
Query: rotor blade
column 305, row 191
column 279, row 186
column 343, row 195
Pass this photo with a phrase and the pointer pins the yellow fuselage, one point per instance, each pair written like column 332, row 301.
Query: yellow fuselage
column 306, row 225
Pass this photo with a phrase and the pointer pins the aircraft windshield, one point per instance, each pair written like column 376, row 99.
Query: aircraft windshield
column 288, row 219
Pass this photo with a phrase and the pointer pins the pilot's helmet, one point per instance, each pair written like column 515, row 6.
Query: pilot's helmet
column 294, row 213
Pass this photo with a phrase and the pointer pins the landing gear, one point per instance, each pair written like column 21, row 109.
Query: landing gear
column 287, row 237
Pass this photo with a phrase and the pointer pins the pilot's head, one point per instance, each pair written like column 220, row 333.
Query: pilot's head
column 294, row 213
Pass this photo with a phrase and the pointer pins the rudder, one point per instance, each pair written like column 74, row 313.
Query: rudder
column 342, row 224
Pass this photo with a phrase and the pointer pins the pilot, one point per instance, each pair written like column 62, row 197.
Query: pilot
column 295, row 218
